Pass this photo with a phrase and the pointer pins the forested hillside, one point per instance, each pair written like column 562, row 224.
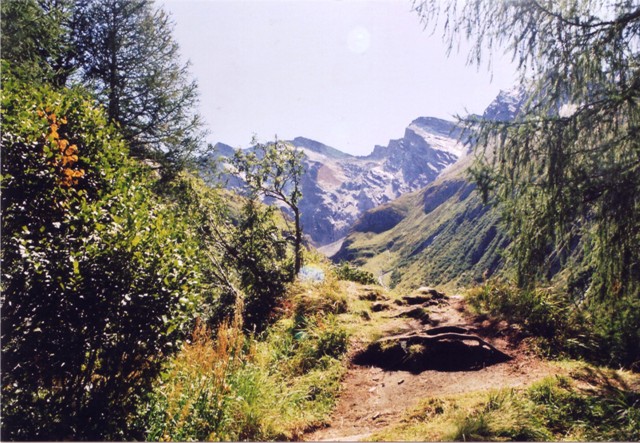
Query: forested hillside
column 113, row 252
column 141, row 302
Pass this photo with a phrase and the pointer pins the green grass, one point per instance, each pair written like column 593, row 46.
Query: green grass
column 588, row 404
column 601, row 332
column 272, row 387
column 546, row 313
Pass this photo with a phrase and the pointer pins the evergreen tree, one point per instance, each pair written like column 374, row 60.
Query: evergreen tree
column 128, row 56
column 569, row 162
column 124, row 52
column 36, row 40
column 567, row 169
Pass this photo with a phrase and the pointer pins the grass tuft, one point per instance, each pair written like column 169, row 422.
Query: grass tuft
column 241, row 387
column 589, row 404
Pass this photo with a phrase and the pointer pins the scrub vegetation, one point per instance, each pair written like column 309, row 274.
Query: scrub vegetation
column 141, row 303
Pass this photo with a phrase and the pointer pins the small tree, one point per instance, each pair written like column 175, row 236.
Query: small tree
column 274, row 170
column 260, row 258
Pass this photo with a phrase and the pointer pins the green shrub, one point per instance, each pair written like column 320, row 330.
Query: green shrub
column 616, row 332
column 245, row 250
column 604, row 332
column 98, row 276
column 344, row 271
column 262, row 263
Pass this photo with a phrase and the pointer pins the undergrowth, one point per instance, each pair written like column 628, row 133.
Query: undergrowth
column 345, row 271
column 244, row 387
column 590, row 404
column 603, row 333
column 541, row 312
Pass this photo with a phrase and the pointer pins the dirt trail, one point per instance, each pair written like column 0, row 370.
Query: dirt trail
column 373, row 398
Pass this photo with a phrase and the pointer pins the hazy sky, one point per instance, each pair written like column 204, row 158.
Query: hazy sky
column 350, row 74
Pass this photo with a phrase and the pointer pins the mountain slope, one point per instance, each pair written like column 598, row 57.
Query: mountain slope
column 440, row 234
column 337, row 187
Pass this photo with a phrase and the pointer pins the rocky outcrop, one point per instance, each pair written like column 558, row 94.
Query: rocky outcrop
column 338, row 188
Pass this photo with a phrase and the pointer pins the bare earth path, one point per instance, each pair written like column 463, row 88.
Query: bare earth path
column 372, row 397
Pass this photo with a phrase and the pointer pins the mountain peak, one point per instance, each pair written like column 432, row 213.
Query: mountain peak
column 224, row 150
column 444, row 127
column 506, row 105
column 320, row 148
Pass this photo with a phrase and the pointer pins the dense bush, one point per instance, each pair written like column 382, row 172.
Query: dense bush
column 262, row 263
column 98, row 276
column 247, row 255
column 605, row 332
column 345, row 271
column 616, row 331
column 542, row 312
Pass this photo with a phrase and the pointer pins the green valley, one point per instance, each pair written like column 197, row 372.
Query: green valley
column 443, row 234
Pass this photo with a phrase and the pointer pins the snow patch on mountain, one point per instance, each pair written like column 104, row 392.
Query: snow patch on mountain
column 438, row 141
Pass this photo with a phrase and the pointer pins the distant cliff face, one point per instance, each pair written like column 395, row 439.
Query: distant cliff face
column 337, row 187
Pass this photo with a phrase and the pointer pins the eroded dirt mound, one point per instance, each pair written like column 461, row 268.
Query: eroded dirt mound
column 417, row 356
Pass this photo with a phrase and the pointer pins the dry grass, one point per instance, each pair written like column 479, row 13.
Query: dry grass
column 272, row 387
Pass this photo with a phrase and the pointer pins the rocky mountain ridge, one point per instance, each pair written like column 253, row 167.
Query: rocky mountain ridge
column 338, row 187
column 443, row 233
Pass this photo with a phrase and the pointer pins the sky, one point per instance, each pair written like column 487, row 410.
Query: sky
column 349, row 73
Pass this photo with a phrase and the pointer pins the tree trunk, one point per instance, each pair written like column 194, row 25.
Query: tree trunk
column 298, row 241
